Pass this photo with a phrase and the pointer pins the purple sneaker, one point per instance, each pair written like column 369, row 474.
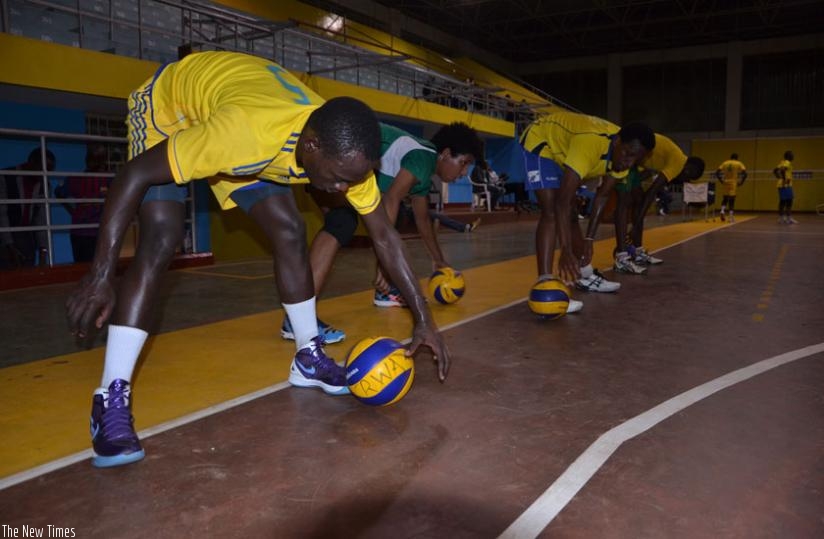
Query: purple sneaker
column 114, row 440
column 313, row 368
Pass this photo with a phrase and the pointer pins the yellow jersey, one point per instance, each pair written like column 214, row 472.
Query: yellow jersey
column 232, row 118
column 787, row 181
column 581, row 142
column 666, row 158
column 731, row 170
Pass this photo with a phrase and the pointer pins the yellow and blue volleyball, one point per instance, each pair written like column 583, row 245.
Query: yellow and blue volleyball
column 447, row 285
column 378, row 372
column 549, row 299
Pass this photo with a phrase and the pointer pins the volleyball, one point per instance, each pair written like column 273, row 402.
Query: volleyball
column 447, row 285
column 549, row 298
column 378, row 372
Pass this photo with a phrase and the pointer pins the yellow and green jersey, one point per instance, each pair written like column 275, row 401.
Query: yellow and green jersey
column 581, row 142
column 232, row 118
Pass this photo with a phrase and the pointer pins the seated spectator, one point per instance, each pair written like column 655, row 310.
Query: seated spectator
column 518, row 190
column 486, row 180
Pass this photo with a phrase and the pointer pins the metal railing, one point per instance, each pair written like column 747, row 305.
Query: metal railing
column 48, row 202
column 157, row 30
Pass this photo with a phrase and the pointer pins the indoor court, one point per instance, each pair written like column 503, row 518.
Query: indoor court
column 210, row 183
column 688, row 404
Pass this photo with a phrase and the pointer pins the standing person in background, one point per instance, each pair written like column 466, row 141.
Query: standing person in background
column 731, row 173
column 87, row 213
column 784, row 173
column 25, row 248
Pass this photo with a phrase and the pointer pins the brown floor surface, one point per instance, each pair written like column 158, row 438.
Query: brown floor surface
column 525, row 398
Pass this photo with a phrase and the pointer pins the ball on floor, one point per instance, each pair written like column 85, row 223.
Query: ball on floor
column 447, row 285
column 549, row 298
column 378, row 372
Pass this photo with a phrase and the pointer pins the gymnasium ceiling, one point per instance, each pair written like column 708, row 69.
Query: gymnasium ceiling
column 519, row 31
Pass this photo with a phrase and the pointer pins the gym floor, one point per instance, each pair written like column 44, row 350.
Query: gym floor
column 688, row 404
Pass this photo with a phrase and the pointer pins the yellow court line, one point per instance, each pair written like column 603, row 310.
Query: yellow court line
column 44, row 405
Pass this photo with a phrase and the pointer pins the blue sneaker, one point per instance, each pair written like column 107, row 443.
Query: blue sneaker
column 330, row 335
column 114, row 440
column 393, row 298
column 313, row 368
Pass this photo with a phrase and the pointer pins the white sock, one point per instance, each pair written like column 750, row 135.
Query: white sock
column 545, row 277
column 123, row 347
column 304, row 321
column 586, row 271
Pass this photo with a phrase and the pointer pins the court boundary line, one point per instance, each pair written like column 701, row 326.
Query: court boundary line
column 74, row 458
column 57, row 464
column 553, row 500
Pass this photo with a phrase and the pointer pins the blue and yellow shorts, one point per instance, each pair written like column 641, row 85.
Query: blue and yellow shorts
column 541, row 172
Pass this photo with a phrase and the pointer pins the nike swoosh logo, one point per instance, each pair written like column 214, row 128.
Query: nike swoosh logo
column 94, row 429
column 307, row 371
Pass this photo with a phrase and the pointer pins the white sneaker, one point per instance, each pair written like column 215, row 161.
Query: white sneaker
column 644, row 258
column 574, row 306
column 791, row 221
column 596, row 283
column 624, row 264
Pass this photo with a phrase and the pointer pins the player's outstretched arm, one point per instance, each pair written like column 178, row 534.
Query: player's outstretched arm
column 649, row 195
column 392, row 256
column 92, row 301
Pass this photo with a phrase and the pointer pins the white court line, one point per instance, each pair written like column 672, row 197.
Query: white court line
column 37, row 471
column 543, row 510
column 53, row 465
